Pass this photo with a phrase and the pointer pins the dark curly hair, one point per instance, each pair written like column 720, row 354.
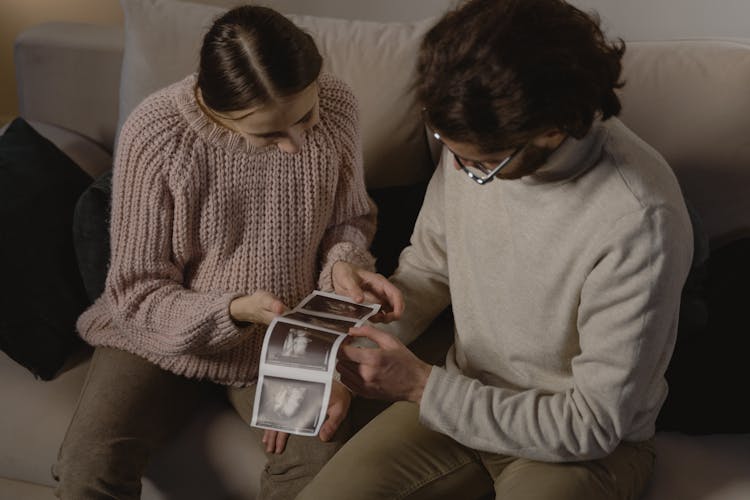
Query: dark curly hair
column 252, row 55
column 495, row 73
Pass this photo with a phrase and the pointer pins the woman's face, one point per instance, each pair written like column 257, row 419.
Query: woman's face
column 283, row 123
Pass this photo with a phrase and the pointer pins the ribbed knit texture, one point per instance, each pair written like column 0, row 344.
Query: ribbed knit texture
column 200, row 217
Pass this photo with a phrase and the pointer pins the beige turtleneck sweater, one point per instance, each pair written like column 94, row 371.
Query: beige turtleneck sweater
column 199, row 218
column 565, row 289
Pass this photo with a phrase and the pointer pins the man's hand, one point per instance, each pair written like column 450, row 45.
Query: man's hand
column 261, row 308
column 360, row 285
column 390, row 371
column 338, row 407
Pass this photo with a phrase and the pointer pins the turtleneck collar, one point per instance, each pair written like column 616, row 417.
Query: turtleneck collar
column 572, row 158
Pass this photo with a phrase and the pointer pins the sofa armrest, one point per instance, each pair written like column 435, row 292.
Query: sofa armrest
column 68, row 74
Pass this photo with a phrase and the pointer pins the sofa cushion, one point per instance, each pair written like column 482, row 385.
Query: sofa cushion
column 91, row 234
column 398, row 208
column 87, row 154
column 689, row 99
column 42, row 293
column 709, row 360
column 162, row 42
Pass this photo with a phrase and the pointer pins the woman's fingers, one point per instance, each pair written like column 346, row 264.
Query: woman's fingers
column 274, row 441
column 346, row 281
column 281, row 439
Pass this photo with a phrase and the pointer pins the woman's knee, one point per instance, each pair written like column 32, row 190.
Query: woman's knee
column 94, row 470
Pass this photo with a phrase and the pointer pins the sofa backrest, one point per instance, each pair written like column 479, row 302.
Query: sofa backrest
column 690, row 100
column 162, row 42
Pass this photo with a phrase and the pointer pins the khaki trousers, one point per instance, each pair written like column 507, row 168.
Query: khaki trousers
column 129, row 408
column 395, row 457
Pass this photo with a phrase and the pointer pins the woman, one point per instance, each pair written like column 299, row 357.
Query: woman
column 236, row 192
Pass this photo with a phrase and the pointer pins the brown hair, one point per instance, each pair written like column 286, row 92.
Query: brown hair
column 253, row 54
column 495, row 73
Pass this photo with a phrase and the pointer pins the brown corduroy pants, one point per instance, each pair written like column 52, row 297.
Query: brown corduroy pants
column 395, row 457
column 129, row 408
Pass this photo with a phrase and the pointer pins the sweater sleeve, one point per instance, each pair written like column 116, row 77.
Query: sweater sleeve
column 627, row 322
column 422, row 273
column 352, row 225
column 144, row 287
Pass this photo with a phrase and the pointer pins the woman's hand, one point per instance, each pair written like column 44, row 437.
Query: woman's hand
column 261, row 307
column 365, row 286
column 275, row 441
column 338, row 407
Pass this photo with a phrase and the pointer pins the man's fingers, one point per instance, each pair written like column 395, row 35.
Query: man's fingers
column 350, row 376
column 385, row 292
column 381, row 338
column 335, row 417
column 358, row 355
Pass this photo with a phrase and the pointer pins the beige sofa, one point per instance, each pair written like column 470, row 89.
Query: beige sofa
column 688, row 98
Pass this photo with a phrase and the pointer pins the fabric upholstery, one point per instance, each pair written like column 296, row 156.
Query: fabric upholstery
column 91, row 234
column 42, row 293
column 689, row 100
column 709, row 358
column 377, row 60
column 68, row 75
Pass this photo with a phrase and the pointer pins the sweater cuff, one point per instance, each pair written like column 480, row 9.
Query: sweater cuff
column 227, row 331
column 442, row 400
column 348, row 252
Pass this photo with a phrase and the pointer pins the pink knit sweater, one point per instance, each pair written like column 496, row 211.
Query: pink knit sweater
column 200, row 217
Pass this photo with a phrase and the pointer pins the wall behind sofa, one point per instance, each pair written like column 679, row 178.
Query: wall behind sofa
column 17, row 15
column 631, row 19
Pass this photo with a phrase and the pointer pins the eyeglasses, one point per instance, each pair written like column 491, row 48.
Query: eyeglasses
column 477, row 171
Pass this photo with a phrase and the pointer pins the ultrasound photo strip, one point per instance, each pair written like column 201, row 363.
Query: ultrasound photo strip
column 298, row 359
column 295, row 375
column 330, row 305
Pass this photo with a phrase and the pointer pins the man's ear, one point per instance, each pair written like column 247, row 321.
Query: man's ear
column 550, row 139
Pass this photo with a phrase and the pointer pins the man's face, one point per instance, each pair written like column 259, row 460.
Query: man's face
column 528, row 159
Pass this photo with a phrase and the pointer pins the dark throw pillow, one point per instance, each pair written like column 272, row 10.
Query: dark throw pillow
column 398, row 208
column 709, row 367
column 91, row 234
column 42, row 293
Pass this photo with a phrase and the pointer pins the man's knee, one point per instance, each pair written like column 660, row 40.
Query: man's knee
column 396, row 457
column 536, row 481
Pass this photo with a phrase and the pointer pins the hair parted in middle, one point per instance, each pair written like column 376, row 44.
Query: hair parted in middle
column 495, row 73
column 252, row 55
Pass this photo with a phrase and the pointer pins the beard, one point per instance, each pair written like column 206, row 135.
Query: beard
column 531, row 159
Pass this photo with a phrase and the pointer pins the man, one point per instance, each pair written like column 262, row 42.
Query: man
column 561, row 240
